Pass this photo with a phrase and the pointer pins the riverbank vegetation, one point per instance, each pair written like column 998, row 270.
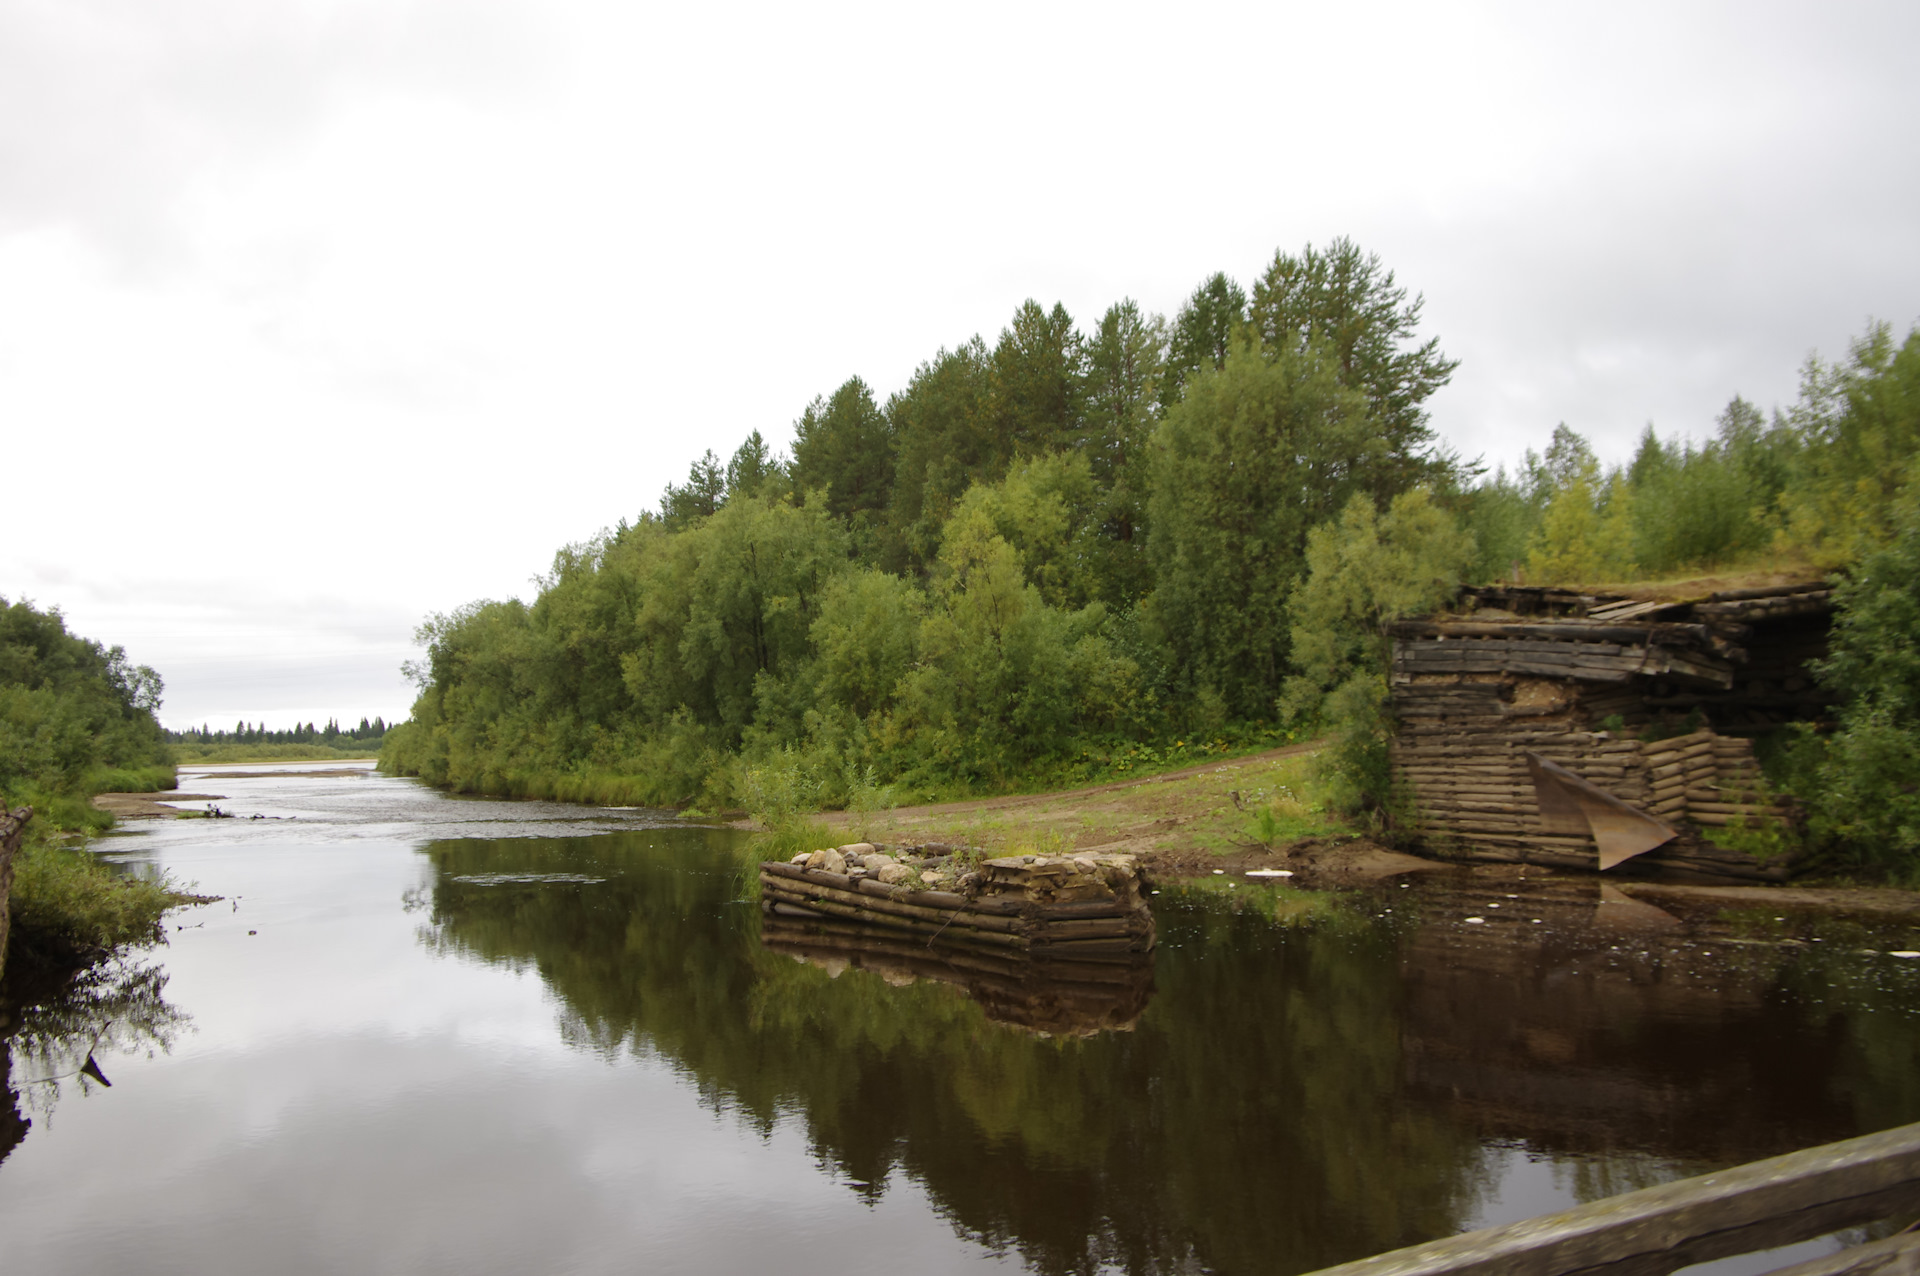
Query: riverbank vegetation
column 76, row 719
column 1054, row 551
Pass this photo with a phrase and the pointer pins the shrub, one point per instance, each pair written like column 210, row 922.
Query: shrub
column 69, row 906
column 1866, row 800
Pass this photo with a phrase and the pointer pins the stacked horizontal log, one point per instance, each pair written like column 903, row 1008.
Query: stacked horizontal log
column 1540, row 670
column 1580, row 653
column 1087, row 907
column 1474, row 782
column 1751, row 605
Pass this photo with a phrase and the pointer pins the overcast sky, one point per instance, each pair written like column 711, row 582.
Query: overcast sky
column 319, row 317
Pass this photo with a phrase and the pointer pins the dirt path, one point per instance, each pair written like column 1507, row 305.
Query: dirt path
column 1195, row 820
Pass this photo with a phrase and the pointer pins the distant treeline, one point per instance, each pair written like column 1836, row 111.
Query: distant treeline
column 1046, row 548
column 333, row 735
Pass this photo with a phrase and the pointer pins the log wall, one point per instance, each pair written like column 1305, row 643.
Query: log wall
column 1581, row 681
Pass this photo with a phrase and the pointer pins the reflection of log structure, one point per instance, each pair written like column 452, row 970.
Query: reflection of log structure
column 1048, row 995
column 1085, row 907
column 1531, row 724
column 1616, row 1027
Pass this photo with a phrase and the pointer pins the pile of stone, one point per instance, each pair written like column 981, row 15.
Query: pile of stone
column 1089, row 907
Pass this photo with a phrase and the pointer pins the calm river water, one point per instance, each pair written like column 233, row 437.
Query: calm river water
column 426, row 1034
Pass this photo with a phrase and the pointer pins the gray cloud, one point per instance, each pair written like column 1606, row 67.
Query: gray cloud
column 112, row 111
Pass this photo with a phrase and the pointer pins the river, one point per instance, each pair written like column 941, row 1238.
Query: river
column 424, row 1033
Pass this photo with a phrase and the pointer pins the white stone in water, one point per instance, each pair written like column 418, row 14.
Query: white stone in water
column 1475, row 921
column 1904, row 953
column 1269, row 872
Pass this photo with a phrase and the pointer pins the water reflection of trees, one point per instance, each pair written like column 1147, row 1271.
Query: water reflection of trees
column 60, row 1032
column 1248, row 1122
column 1292, row 1095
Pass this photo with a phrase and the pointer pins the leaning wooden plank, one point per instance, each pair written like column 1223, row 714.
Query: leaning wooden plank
column 1658, row 1230
column 1570, row 804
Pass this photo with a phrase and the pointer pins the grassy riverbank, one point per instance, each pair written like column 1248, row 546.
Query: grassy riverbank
column 69, row 909
column 76, row 720
column 1251, row 809
column 239, row 753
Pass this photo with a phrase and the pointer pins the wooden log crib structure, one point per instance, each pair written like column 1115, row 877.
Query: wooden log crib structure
column 1583, row 731
column 1082, row 908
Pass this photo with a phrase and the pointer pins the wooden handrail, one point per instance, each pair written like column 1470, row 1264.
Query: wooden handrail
column 1761, row 1205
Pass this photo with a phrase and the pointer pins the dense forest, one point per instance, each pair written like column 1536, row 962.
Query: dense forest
column 332, row 735
column 1062, row 544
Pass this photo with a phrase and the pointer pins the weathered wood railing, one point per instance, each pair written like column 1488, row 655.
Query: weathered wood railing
column 1759, row 1206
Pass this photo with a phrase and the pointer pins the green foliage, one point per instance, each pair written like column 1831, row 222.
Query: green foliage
column 1252, row 456
column 1502, row 515
column 1860, row 426
column 1204, row 333
column 1344, row 300
column 1126, row 367
column 1046, row 510
column 75, row 719
column 1816, row 484
column 1005, row 680
column 1364, row 570
column 1867, row 797
column 844, row 445
column 67, row 905
column 1585, row 535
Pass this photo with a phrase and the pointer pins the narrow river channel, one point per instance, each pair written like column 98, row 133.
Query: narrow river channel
column 426, row 1034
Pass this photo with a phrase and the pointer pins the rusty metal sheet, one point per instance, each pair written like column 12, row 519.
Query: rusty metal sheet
column 1569, row 804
